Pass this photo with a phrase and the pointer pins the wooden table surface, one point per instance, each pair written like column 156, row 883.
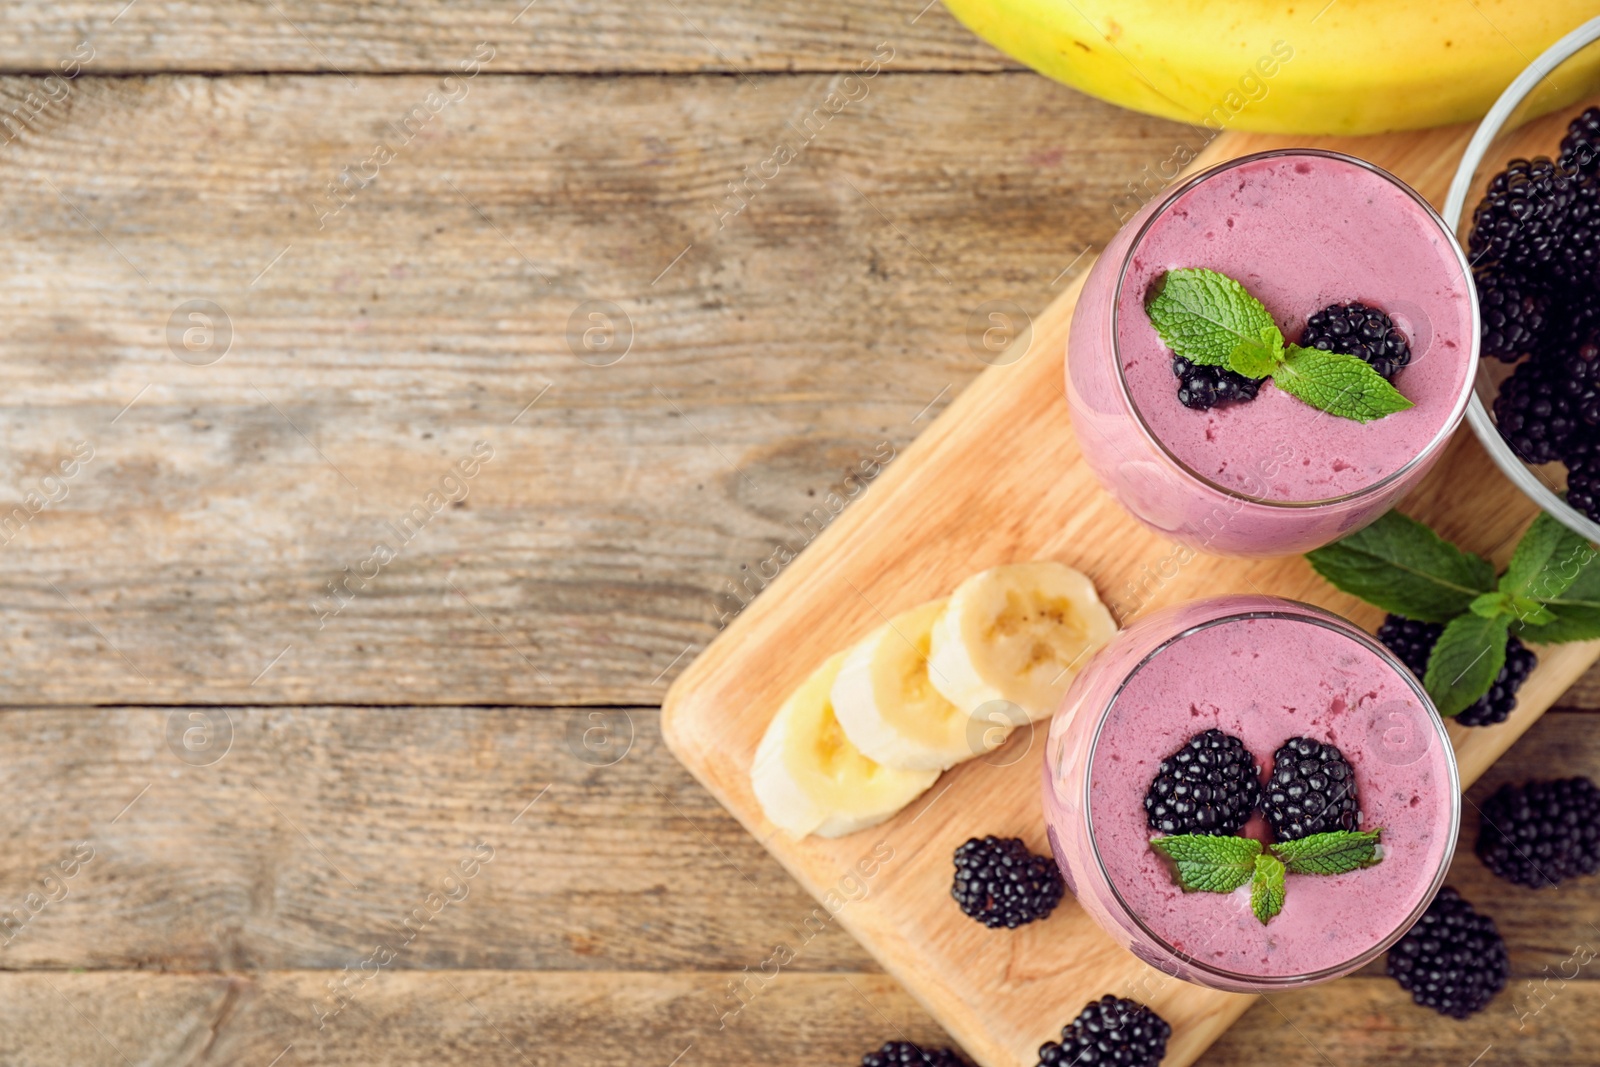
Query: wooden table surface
column 330, row 672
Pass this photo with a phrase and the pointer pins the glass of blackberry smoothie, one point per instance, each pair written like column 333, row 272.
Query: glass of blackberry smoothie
column 1250, row 793
column 1242, row 442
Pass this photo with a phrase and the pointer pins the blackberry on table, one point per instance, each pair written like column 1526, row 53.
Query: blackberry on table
column 1209, row 786
column 1000, row 883
column 1201, row 388
column 1359, row 330
column 1412, row 642
column 1109, row 1031
column 1534, row 414
column 1311, row 790
column 1543, row 832
column 905, row 1054
column 1453, row 961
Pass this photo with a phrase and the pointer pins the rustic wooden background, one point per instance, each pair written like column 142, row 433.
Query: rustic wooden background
column 222, row 800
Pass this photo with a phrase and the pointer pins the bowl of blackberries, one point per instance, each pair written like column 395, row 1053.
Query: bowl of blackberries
column 1525, row 204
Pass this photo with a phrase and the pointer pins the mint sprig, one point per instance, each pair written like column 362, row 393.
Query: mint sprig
column 1212, row 320
column 1267, row 889
column 1405, row 568
column 1335, row 852
column 1549, row 594
column 1208, row 864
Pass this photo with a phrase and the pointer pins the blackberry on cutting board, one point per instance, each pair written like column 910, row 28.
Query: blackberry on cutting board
column 1453, row 961
column 1543, row 832
column 1111, row 1030
column 1359, row 330
column 1311, row 790
column 1412, row 641
column 1209, row 786
column 1000, row 883
column 1202, row 388
column 905, row 1054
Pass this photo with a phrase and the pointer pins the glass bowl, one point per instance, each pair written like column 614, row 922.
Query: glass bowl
column 1529, row 119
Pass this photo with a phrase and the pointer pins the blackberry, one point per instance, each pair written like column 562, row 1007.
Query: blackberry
column 1209, row 786
column 905, row 1054
column 1111, row 1030
column 1513, row 316
column 1583, row 478
column 1518, row 223
column 1312, row 790
column 1580, row 148
column 1412, row 642
column 1542, row 832
column 1534, row 414
column 1000, row 883
column 1453, row 961
column 1201, row 388
column 1358, row 330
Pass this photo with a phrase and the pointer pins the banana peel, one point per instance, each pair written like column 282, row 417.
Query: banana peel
column 1345, row 67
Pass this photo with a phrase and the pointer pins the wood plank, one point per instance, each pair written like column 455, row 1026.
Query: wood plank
column 912, row 539
column 598, row 548
column 515, row 1019
column 731, row 36
column 204, row 873
column 319, row 830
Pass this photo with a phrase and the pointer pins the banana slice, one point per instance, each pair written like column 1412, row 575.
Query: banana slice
column 1017, row 633
column 810, row 779
column 890, row 710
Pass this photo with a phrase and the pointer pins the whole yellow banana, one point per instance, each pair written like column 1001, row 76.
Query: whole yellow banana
column 1305, row 66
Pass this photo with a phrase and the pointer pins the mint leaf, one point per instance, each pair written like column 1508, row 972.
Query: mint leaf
column 1204, row 317
column 1267, row 891
column 1491, row 605
column 1466, row 660
column 1335, row 852
column 1209, row 864
column 1576, row 610
column 1341, row 385
column 1530, row 612
column 1258, row 361
column 1405, row 568
column 1547, row 560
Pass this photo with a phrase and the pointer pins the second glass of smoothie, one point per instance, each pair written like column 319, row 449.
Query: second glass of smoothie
column 1301, row 230
column 1265, row 673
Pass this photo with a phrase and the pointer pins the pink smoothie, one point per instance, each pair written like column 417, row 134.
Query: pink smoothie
column 1300, row 230
column 1263, row 670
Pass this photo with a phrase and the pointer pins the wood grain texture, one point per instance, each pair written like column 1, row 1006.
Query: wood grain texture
column 597, row 549
column 1004, row 451
column 550, row 36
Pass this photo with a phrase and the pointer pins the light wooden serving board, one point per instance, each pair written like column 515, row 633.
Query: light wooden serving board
column 997, row 479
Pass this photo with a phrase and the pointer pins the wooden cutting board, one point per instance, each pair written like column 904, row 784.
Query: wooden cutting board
column 997, row 478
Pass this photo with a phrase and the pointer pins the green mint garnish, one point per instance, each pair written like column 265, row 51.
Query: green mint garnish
column 1405, row 568
column 1205, row 317
column 1209, row 864
column 1547, row 560
column 1211, row 320
column 1336, row 852
column 1267, row 890
column 1339, row 384
column 1466, row 661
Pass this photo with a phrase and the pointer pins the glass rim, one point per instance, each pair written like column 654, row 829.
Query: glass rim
column 1457, row 410
column 1294, row 611
column 1525, row 477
